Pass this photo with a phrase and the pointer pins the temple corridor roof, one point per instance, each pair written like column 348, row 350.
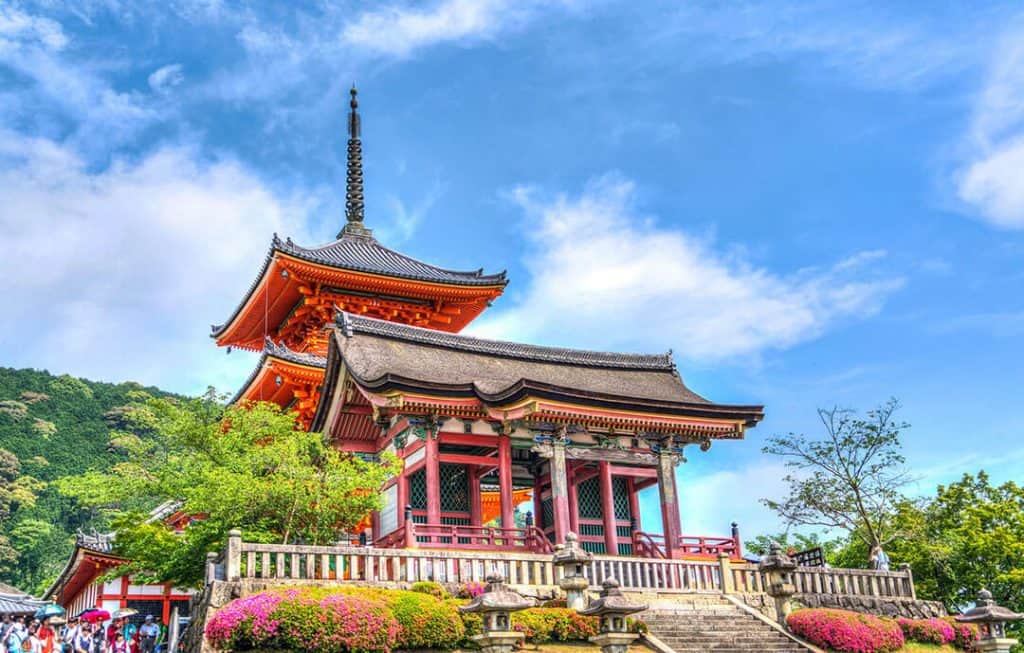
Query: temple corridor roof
column 384, row 357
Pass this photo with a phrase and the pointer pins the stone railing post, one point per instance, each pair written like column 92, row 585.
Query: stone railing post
column 725, row 569
column 905, row 568
column 233, row 558
column 778, row 570
column 211, row 567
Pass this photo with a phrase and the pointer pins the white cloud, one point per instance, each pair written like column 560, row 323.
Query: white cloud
column 602, row 276
column 118, row 274
column 57, row 84
column 18, row 28
column 166, row 77
column 709, row 501
column 398, row 31
column 992, row 179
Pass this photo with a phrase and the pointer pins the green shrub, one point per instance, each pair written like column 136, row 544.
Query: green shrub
column 429, row 587
column 542, row 625
column 425, row 621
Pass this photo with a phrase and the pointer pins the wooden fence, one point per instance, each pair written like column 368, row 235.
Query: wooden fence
column 364, row 563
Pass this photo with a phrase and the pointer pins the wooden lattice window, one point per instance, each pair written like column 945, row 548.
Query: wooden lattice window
column 418, row 489
column 454, row 488
column 620, row 494
column 588, row 498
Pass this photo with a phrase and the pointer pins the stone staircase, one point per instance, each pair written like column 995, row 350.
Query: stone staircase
column 711, row 623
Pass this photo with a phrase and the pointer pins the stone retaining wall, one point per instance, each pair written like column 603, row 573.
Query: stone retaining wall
column 881, row 606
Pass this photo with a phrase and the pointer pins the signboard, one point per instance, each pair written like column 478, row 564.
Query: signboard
column 810, row 558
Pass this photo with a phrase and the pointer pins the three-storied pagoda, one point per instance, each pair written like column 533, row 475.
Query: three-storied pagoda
column 363, row 343
column 299, row 288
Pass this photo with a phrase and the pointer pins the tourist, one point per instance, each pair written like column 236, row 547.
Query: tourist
column 47, row 636
column 16, row 635
column 119, row 645
column 99, row 639
column 75, row 628
column 83, row 639
column 33, row 644
column 148, row 634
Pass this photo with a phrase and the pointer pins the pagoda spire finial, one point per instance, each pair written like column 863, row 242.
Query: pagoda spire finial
column 354, row 173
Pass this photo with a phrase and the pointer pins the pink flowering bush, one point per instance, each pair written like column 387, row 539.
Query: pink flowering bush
column 472, row 590
column 293, row 621
column 849, row 632
column 927, row 631
column 964, row 635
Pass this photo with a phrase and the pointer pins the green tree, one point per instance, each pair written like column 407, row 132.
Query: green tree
column 16, row 491
column 851, row 478
column 797, row 541
column 242, row 466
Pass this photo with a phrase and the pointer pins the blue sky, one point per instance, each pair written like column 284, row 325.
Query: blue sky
column 810, row 203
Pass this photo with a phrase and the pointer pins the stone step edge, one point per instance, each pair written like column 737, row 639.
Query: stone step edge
column 771, row 623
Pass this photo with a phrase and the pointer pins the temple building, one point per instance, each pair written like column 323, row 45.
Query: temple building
column 363, row 343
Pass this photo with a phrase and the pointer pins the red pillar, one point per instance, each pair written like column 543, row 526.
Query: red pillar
column 403, row 498
column 505, row 480
column 538, row 503
column 433, row 472
column 669, row 502
column 611, row 538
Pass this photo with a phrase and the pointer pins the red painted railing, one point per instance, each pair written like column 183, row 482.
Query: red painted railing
column 652, row 545
column 438, row 536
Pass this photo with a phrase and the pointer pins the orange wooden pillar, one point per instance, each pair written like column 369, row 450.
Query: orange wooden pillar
column 611, row 539
column 505, row 480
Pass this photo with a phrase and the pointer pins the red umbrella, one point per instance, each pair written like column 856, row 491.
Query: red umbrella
column 94, row 615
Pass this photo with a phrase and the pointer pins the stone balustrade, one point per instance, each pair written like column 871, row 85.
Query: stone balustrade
column 339, row 563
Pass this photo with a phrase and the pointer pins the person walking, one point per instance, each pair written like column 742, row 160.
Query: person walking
column 33, row 644
column 119, row 645
column 16, row 635
column 148, row 633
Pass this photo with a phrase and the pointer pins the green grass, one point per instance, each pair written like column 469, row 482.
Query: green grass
column 913, row 647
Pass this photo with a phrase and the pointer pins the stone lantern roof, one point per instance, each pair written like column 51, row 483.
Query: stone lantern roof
column 612, row 601
column 986, row 611
column 498, row 597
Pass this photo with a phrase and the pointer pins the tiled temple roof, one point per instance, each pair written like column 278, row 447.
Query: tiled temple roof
column 384, row 355
column 362, row 253
column 365, row 254
column 271, row 350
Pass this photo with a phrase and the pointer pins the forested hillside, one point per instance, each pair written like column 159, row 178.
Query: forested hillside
column 52, row 427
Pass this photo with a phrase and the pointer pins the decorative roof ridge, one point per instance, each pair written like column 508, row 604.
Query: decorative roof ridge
column 355, row 324
column 316, row 254
column 284, row 352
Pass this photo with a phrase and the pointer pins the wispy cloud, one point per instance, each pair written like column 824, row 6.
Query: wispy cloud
column 57, row 86
column 992, row 179
column 398, row 31
column 402, row 221
column 104, row 276
column 603, row 275
column 166, row 77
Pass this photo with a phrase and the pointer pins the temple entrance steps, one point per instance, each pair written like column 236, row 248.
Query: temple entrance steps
column 712, row 623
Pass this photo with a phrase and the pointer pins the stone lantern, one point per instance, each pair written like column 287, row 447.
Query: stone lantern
column 573, row 559
column 495, row 607
column 991, row 620
column 778, row 569
column 612, row 607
